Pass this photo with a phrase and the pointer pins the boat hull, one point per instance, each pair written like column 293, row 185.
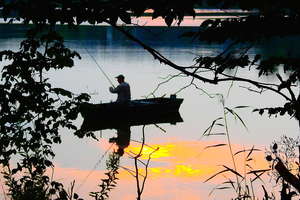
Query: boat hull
column 133, row 113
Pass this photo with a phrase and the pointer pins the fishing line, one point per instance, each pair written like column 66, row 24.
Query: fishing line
column 99, row 67
column 97, row 163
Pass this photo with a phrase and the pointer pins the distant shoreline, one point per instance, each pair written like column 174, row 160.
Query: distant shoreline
column 206, row 13
column 189, row 21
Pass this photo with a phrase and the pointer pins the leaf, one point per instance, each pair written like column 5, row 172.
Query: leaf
column 75, row 196
column 52, row 191
column 245, row 150
column 256, row 58
column 209, row 129
column 250, row 152
column 215, row 133
column 242, row 122
column 236, row 116
column 71, row 126
column 223, row 188
column 266, row 195
column 233, row 171
column 258, row 171
column 230, row 182
column 113, row 19
column 155, row 14
column 269, row 158
column 206, row 23
column 241, row 107
column 226, row 170
column 230, row 110
column 217, row 145
column 169, row 20
column 63, row 92
column 258, row 174
column 125, row 17
column 14, row 171
column 275, row 146
column 48, row 163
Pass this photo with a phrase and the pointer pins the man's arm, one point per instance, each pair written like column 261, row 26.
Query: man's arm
column 114, row 90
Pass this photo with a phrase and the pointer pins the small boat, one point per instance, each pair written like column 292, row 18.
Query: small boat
column 132, row 113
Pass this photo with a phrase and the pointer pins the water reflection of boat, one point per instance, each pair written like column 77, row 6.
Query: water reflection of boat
column 122, row 140
column 134, row 113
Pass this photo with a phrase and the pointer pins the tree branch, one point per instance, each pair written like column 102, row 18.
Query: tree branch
column 257, row 84
column 182, row 69
column 159, row 56
column 287, row 175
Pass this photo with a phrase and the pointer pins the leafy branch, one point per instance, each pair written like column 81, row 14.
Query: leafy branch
column 107, row 184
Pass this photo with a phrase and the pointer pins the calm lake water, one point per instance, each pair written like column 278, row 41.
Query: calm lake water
column 178, row 170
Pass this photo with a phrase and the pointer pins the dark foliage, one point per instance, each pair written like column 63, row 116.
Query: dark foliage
column 285, row 163
column 32, row 112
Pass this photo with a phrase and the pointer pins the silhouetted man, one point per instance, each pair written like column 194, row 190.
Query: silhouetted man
column 123, row 89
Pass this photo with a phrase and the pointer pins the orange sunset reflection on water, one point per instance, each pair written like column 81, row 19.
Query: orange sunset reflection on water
column 192, row 159
column 176, row 164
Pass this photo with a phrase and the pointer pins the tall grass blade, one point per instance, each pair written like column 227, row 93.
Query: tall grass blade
column 209, row 129
column 218, row 124
column 218, row 188
column 233, row 171
column 213, row 146
column 236, row 116
column 237, row 107
column 258, row 174
column 218, row 133
column 266, row 195
column 245, row 150
column 231, row 183
column 250, row 152
column 223, row 188
column 220, row 172
column 210, row 193
column 249, row 166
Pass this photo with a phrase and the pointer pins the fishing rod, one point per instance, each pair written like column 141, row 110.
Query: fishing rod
column 99, row 67
column 97, row 163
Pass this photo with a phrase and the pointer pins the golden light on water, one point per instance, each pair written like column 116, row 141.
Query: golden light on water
column 190, row 159
column 186, row 171
column 175, row 171
column 155, row 151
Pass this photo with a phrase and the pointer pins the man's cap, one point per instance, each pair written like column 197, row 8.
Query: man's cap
column 120, row 76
